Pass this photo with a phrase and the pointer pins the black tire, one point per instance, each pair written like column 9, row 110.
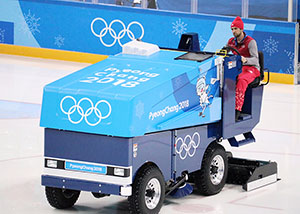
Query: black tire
column 211, row 178
column 61, row 198
column 148, row 191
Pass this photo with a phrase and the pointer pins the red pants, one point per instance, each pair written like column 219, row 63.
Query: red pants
column 249, row 73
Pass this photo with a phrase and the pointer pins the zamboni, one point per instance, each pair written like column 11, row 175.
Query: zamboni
column 147, row 123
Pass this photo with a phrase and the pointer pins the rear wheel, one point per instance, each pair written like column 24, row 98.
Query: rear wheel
column 148, row 191
column 61, row 198
column 211, row 178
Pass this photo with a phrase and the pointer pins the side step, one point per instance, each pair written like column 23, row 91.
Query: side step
column 249, row 138
column 251, row 174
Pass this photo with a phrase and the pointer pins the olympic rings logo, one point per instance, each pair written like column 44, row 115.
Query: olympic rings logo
column 78, row 111
column 188, row 145
column 116, row 36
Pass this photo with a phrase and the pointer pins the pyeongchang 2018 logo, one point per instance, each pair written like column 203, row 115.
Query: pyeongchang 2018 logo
column 116, row 31
column 85, row 109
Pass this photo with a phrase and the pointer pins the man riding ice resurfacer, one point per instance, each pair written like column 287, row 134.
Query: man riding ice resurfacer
column 147, row 123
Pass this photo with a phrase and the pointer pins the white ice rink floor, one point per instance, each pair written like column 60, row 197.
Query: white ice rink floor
column 21, row 150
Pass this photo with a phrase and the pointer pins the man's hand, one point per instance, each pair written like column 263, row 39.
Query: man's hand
column 244, row 60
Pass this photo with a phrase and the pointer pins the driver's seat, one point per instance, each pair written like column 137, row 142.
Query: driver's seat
column 256, row 81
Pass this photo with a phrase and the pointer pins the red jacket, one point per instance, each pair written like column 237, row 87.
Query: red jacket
column 247, row 48
column 241, row 47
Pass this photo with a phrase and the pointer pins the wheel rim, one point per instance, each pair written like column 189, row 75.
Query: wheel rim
column 152, row 193
column 68, row 193
column 217, row 168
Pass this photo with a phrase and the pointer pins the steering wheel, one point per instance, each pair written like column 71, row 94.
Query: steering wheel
column 229, row 48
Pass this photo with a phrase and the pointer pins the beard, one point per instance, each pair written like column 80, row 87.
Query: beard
column 237, row 34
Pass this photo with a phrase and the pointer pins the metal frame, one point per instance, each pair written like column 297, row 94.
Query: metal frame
column 245, row 8
column 290, row 10
column 296, row 66
column 194, row 6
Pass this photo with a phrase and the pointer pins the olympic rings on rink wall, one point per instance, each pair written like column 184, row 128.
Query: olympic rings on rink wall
column 77, row 108
column 188, row 145
column 116, row 36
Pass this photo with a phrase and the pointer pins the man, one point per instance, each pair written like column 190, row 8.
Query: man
column 247, row 48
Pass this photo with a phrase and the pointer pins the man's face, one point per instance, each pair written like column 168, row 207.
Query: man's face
column 236, row 31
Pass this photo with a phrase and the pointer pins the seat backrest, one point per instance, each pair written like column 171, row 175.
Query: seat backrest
column 257, row 80
column 261, row 64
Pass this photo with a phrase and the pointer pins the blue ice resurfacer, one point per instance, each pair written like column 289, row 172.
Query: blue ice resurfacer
column 145, row 124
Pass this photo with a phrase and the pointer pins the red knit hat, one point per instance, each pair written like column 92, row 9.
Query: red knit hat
column 238, row 22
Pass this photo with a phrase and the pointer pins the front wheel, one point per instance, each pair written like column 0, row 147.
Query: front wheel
column 211, row 178
column 148, row 191
column 61, row 198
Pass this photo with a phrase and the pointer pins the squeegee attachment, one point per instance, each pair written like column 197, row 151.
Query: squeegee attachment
column 251, row 174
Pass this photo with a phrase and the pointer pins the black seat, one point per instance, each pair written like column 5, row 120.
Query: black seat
column 256, row 81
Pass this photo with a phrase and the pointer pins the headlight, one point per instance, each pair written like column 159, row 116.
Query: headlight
column 119, row 172
column 52, row 163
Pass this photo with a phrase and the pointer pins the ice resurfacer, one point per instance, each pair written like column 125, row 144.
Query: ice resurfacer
column 147, row 123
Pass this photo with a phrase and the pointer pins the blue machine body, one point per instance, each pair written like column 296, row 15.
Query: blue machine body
column 118, row 114
column 129, row 96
